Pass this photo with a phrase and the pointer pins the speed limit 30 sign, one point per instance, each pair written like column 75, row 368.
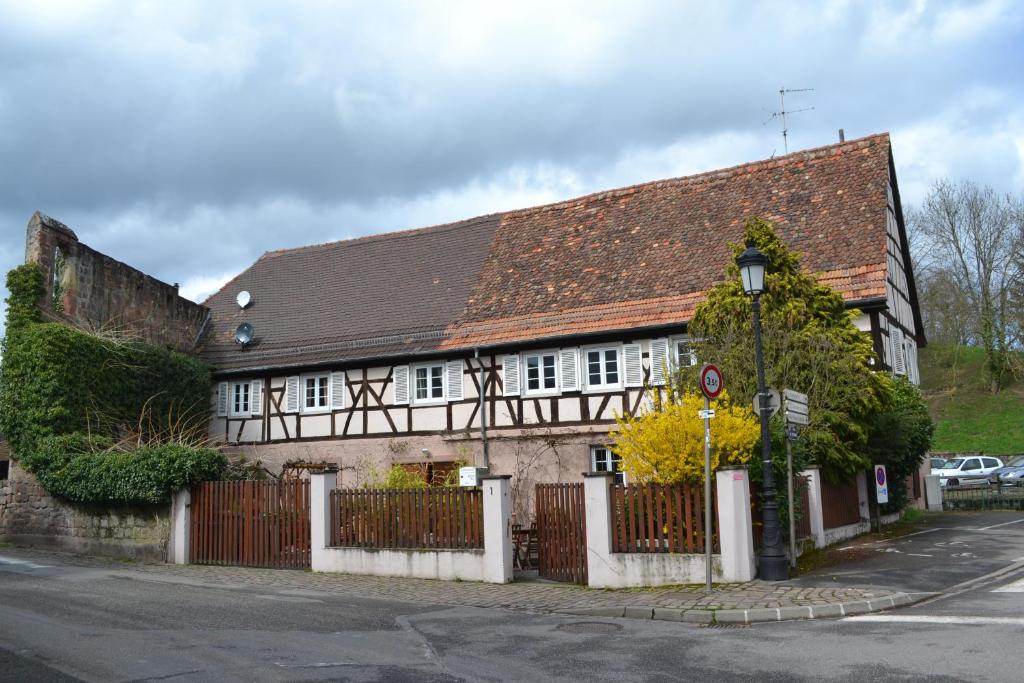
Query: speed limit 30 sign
column 711, row 382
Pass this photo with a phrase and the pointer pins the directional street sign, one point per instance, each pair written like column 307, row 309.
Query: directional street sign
column 795, row 407
column 706, row 414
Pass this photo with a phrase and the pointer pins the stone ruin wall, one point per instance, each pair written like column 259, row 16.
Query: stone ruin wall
column 98, row 293
column 31, row 516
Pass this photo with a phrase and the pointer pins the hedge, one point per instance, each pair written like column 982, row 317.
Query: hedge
column 84, row 469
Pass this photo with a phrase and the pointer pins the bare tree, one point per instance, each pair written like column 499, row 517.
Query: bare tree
column 973, row 235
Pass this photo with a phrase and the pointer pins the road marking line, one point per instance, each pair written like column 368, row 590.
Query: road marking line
column 920, row 619
column 22, row 563
column 1014, row 587
column 996, row 526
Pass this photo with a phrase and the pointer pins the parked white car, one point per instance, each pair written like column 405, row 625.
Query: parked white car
column 958, row 471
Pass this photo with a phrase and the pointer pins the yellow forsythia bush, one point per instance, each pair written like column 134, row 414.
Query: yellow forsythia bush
column 666, row 445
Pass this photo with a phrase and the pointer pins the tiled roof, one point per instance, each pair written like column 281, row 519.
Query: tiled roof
column 639, row 256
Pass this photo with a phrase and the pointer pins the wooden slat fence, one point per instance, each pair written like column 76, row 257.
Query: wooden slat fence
column 658, row 518
column 251, row 524
column 448, row 517
column 561, row 532
column 840, row 504
column 803, row 521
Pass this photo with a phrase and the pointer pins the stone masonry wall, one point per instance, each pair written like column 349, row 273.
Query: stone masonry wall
column 30, row 516
column 96, row 292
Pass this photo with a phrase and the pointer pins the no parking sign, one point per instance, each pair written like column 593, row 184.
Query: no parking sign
column 881, row 484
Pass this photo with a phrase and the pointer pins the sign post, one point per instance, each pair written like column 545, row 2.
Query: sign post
column 711, row 385
column 796, row 413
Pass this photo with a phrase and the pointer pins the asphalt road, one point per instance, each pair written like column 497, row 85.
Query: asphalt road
column 67, row 622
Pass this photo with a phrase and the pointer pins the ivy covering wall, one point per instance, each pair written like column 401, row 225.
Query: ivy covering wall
column 127, row 413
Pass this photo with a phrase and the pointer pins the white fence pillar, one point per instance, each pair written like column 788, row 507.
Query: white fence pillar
column 862, row 495
column 320, row 486
column 933, row 492
column 181, row 528
column 601, row 572
column 735, row 530
column 814, row 510
column 498, row 528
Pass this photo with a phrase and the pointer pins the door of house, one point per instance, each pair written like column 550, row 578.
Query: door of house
column 561, row 532
column 251, row 524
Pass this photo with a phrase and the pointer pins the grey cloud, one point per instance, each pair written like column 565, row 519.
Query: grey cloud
column 187, row 145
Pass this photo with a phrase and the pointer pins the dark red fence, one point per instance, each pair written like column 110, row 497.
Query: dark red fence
column 251, row 524
column 448, row 517
column 658, row 518
column 840, row 504
column 561, row 532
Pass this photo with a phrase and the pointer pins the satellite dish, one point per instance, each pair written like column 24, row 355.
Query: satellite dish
column 243, row 298
column 243, row 334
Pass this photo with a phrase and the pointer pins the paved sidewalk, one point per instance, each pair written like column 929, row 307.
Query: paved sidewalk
column 751, row 602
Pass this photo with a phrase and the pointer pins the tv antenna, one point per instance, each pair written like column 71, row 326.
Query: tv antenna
column 781, row 114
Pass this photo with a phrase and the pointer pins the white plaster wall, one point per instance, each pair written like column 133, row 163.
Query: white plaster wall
column 624, row 570
column 446, row 565
column 316, row 425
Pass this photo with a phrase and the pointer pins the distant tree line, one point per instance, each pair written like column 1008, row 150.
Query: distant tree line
column 967, row 245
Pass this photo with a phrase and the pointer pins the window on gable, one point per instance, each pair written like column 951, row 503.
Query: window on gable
column 240, row 398
column 315, row 393
column 603, row 459
column 541, row 372
column 602, row 366
column 429, row 383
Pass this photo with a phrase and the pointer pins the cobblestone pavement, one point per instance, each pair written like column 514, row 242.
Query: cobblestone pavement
column 533, row 595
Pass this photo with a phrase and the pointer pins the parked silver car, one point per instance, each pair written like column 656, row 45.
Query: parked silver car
column 1008, row 475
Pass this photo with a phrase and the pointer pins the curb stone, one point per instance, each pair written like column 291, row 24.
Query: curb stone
column 754, row 615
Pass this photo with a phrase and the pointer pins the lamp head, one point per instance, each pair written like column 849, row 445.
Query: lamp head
column 752, row 265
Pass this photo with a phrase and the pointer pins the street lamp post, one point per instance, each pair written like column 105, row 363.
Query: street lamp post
column 773, row 565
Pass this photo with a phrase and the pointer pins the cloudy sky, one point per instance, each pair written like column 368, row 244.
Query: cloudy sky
column 186, row 138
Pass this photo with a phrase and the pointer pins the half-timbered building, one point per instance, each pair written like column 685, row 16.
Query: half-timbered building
column 375, row 351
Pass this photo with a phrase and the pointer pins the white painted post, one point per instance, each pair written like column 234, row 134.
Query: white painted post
column 181, row 528
column 735, row 529
column 320, row 486
column 814, row 500
column 862, row 495
column 498, row 528
column 933, row 492
column 599, row 529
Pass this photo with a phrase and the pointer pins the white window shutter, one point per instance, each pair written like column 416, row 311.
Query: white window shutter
column 659, row 361
column 899, row 366
column 291, row 399
column 400, row 375
column 455, row 380
column 222, row 399
column 510, row 375
column 256, row 397
column 633, row 364
column 568, row 367
column 337, row 390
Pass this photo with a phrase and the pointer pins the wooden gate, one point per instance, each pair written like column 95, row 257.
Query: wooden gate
column 561, row 532
column 251, row 524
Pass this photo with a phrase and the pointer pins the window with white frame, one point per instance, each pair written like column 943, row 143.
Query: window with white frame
column 315, row 393
column 541, row 372
column 603, row 459
column 602, row 368
column 240, row 398
column 428, row 383
column 684, row 355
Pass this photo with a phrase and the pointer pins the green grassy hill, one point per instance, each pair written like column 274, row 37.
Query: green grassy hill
column 967, row 415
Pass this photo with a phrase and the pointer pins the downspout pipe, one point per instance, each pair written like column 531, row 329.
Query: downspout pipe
column 483, row 410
